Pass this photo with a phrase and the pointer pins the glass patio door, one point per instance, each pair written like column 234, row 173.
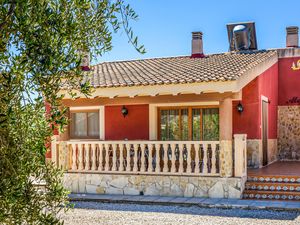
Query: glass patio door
column 188, row 123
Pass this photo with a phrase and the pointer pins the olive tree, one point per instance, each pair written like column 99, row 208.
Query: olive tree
column 41, row 42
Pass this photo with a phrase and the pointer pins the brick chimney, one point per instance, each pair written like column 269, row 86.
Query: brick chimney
column 197, row 45
column 85, row 61
column 292, row 38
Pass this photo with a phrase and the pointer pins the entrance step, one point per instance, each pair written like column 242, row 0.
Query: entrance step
column 271, row 195
column 274, row 178
column 272, row 187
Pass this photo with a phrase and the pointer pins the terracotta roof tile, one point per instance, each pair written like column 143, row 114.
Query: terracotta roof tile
column 173, row 70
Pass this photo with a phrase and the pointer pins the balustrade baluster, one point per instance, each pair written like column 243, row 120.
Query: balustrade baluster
column 157, row 159
column 173, row 159
column 114, row 157
column 143, row 158
column 74, row 166
column 121, row 166
column 189, row 158
column 205, row 159
column 86, row 151
column 180, row 155
column 106, row 167
column 135, row 157
column 93, row 148
column 100, row 157
column 80, row 157
column 165, row 151
column 150, row 158
column 197, row 161
column 213, row 159
column 128, row 147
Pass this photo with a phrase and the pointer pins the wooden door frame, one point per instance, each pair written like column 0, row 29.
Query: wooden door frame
column 264, row 152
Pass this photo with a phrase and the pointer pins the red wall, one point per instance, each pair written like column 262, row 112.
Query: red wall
column 134, row 126
column 249, row 121
column 289, row 82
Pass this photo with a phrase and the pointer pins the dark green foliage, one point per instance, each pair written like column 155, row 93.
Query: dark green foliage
column 40, row 46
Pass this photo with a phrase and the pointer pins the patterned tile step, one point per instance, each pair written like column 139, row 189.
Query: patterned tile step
column 271, row 195
column 280, row 179
column 270, row 186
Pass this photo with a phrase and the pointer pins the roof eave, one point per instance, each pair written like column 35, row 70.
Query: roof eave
column 165, row 89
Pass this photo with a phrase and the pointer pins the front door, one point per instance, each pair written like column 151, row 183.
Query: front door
column 264, row 129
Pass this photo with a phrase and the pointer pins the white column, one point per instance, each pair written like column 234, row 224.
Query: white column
column 102, row 123
column 53, row 149
column 240, row 155
column 226, row 160
column 152, row 122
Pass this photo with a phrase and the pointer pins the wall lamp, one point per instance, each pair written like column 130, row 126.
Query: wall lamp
column 240, row 107
column 124, row 111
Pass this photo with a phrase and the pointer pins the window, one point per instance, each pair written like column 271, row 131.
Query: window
column 85, row 124
column 188, row 123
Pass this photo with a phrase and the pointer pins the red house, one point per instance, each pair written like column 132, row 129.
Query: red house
column 189, row 125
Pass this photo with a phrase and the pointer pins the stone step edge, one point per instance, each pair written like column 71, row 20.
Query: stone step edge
column 270, row 181
column 271, row 200
column 273, row 193
column 273, row 176
column 268, row 190
column 273, row 183
column 241, row 203
column 249, row 185
column 260, row 198
column 280, row 196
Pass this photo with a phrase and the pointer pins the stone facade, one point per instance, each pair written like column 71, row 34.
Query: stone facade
column 289, row 132
column 192, row 186
column 226, row 160
column 63, row 155
column 255, row 152
column 272, row 150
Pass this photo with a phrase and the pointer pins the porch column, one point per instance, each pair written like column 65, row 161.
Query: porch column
column 226, row 159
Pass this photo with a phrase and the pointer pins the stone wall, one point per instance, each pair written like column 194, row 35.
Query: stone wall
column 255, row 154
column 226, row 161
column 193, row 186
column 272, row 150
column 289, row 132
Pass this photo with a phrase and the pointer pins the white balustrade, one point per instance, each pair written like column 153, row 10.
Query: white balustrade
column 145, row 157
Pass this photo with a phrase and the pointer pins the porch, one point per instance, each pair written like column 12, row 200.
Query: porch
column 166, row 168
column 278, row 168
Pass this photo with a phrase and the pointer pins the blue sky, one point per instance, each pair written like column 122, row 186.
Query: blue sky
column 165, row 26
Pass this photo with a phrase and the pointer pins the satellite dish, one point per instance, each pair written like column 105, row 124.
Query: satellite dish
column 242, row 36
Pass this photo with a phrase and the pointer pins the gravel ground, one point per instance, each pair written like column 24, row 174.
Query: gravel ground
column 110, row 213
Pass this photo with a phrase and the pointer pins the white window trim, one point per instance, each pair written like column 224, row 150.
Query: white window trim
column 153, row 114
column 101, row 117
